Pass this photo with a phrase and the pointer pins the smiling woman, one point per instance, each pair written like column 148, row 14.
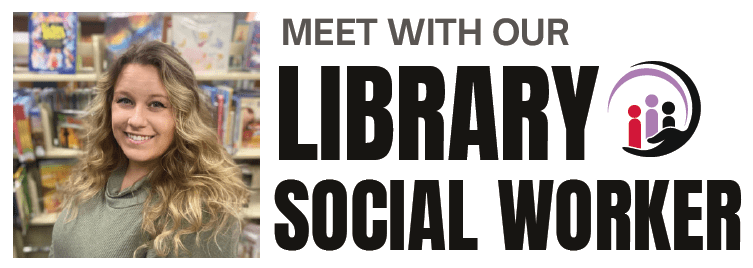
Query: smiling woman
column 153, row 181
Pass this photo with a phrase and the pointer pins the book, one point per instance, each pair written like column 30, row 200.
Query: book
column 33, row 191
column 241, row 31
column 219, row 98
column 52, row 42
column 37, row 131
column 22, row 199
column 227, row 95
column 235, row 135
column 220, row 121
column 125, row 29
column 240, row 39
column 203, row 39
column 53, row 173
column 22, row 134
column 248, row 127
column 70, row 129
column 230, row 142
column 252, row 53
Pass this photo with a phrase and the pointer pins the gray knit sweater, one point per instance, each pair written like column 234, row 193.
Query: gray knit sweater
column 109, row 226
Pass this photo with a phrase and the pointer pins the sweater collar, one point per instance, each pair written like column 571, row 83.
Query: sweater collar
column 131, row 196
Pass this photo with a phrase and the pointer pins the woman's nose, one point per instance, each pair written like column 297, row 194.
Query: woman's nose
column 137, row 119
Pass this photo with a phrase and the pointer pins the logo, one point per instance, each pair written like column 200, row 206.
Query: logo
column 653, row 127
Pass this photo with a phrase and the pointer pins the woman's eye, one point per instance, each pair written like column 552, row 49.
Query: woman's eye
column 157, row 104
column 125, row 101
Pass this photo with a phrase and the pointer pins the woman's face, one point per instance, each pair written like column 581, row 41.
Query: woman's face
column 142, row 117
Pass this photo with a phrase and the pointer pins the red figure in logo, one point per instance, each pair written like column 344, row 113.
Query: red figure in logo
column 634, row 128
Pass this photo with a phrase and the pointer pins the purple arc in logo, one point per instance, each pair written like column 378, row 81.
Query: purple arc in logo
column 650, row 72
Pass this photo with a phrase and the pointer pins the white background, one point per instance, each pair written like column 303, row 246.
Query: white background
column 709, row 42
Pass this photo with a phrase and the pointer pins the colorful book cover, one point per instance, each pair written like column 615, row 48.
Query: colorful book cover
column 203, row 40
column 37, row 131
column 219, row 98
column 22, row 134
column 52, row 42
column 235, row 135
column 252, row 54
column 241, row 31
column 227, row 93
column 240, row 36
column 248, row 112
column 124, row 29
column 53, row 173
column 69, row 129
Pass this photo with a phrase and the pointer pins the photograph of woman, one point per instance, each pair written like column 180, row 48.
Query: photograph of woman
column 153, row 181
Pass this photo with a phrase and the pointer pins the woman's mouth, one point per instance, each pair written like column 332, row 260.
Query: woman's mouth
column 138, row 139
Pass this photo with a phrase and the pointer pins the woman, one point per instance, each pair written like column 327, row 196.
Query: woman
column 153, row 181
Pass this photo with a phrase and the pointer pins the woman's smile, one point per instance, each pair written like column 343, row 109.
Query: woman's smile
column 138, row 139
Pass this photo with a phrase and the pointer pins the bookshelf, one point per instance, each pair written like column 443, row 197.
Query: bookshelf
column 44, row 219
column 64, row 153
column 247, row 153
column 95, row 49
column 34, row 77
column 233, row 75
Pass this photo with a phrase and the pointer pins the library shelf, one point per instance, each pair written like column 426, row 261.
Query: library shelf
column 63, row 153
column 44, row 219
column 233, row 75
column 37, row 77
column 56, row 153
column 247, row 153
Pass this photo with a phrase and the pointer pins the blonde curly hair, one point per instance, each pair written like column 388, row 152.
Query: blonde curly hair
column 196, row 187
